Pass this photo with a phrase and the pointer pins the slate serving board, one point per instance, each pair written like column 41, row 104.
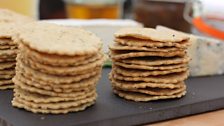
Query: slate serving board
column 204, row 94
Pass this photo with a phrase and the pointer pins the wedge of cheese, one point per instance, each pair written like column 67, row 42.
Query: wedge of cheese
column 207, row 55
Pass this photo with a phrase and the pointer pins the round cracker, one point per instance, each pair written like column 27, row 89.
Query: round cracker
column 145, row 73
column 125, row 55
column 37, row 98
column 57, row 105
column 62, row 71
column 154, row 61
column 57, row 39
column 142, row 67
column 119, row 47
column 151, row 34
column 37, row 75
column 63, row 87
column 152, row 44
column 155, row 91
column 139, row 97
column 56, row 60
column 50, row 93
column 16, row 103
column 169, row 78
column 5, row 87
column 142, row 85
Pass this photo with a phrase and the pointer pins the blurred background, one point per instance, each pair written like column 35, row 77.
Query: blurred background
column 176, row 14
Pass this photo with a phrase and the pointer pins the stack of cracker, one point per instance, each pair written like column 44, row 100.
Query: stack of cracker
column 9, row 21
column 149, row 64
column 57, row 68
column 8, row 51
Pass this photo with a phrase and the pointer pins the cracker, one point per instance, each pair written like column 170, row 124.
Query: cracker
column 128, row 54
column 56, row 60
column 169, row 78
column 5, row 76
column 67, row 88
column 7, row 72
column 40, row 76
column 5, row 87
column 155, row 91
column 154, row 61
column 136, row 85
column 152, row 44
column 139, row 97
column 63, row 87
column 16, row 103
column 6, row 82
column 54, row 70
column 62, row 40
column 6, row 53
column 7, row 59
column 150, row 34
column 57, row 105
column 143, row 67
column 119, row 47
column 37, row 98
column 7, row 65
column 145, row 73
column 50, row 93
column 8, row 16
column 7, row 47
column 7, row 42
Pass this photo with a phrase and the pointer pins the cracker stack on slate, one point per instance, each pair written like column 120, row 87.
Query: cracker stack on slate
column 9, row 21
column 149, row 64
column 8, row 51
column 57, row 68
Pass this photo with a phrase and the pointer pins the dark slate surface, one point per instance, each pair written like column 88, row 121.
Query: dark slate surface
column 204, row 94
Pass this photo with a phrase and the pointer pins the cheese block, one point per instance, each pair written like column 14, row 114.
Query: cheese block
column 207, row 55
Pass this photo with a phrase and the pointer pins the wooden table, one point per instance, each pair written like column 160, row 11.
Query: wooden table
column 215, row 118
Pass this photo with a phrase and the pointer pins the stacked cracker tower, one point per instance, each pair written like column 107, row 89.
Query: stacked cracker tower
column 9, row 21
column 57, row 68
column 149, row 64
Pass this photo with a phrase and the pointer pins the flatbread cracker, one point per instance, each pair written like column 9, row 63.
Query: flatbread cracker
column 54, row 70
column 142, row 67
column 16, row 103
column 156, row 61
column 8, row 16
column 40, row 76
column 121, row 56
column 5, row 87
column 57, row 105
column 49, row 93
column 7, row 72
column 119, row 47
column 37, row 98
column 62, row 40
column 150, row 34
column 141, row 84
column 139, row 97
column 169, row 78
column 63, row 87
column 6, row 82
column 152, row 44
column 145, row 73
column 56, row 60
column 7, row 65
column 155, row 91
